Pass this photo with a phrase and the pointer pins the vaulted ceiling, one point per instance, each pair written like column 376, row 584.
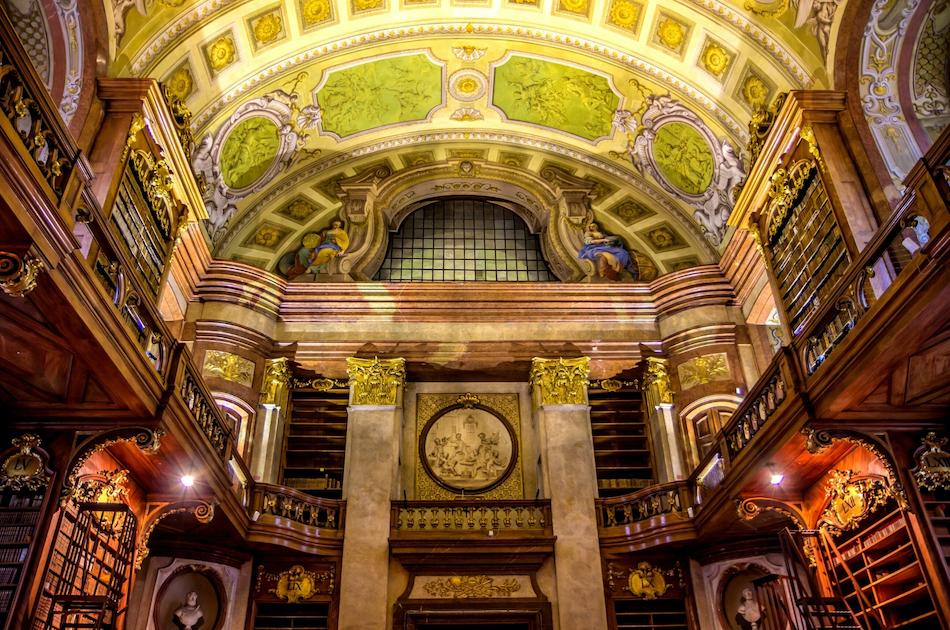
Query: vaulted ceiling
column 647, row 100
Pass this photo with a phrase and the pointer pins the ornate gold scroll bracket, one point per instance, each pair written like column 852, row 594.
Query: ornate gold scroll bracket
column 375, row 381
column 561, row 381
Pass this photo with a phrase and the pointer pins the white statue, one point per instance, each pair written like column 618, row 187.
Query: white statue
column 188, row 616
column 749, row 613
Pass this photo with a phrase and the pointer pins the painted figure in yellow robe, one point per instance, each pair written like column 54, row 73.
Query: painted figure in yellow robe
column 335, row 242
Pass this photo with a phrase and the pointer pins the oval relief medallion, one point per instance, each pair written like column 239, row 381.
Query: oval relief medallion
column 468, row 449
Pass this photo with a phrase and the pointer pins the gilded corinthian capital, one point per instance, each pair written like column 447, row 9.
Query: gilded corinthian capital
column 276, row 382
column 375, row 381
column 657, row 381
column 561, row 381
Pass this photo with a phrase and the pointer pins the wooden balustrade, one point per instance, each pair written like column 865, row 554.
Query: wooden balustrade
column 30, row 116
column 759, row 405
column 299, row 507
column 197, row 399
column 677, row 497
column 470, row 515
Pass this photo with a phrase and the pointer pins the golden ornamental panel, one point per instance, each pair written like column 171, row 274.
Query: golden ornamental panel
column 703, row 369
column 506, row 406
column 230, row 367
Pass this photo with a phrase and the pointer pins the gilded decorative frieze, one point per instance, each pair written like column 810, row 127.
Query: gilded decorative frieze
column 644, row 580
column 471, row 587
column 297, row 583
column 375, row 381
column 933, row 464
column 560, row 381
column 228, row 366
column 276, row 381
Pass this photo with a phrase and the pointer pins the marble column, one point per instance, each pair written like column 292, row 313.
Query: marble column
column 570, row 481
column 271, row 417
column 662, row 419
column 370, row 479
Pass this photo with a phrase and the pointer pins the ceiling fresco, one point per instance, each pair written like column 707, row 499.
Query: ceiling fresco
column 647, row 102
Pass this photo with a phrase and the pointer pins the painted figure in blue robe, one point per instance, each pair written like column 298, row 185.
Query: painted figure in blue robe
column 607, row 252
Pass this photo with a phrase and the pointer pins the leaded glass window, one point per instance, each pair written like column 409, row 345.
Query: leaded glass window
column 464, row 239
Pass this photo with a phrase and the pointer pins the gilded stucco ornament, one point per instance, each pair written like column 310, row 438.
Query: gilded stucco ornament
column 656, row 379
column 850, row 500
column 203, row 512
column 675, row 147
column 471, row 587
column 645, row 580
column 228, row 366
column 25, row 469
column 18, row 274
column 277, row 376
column 269, row 136
column 561, row 381
column 933, row 464
column 299, row 584
column 375, row 381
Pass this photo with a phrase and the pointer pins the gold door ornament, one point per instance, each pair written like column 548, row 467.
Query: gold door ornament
column 561, row 381
column 933, row 464
column 471, row 587
column 25, row 469
column 375, row 381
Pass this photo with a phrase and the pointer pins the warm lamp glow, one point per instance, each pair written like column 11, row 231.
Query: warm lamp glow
column 776, row 478
column 187, row 481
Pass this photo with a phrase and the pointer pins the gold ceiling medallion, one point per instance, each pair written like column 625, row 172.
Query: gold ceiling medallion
column 375, row 381
column 25, row 469
column 851, row 500
column 18, row 273
column 471, row 587
column 933, row 464
column 561, row 381
column 767, row 9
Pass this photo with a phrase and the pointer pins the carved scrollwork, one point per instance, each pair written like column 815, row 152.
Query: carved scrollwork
column 145, row 439
column 25, row 469
column 18, row 273
column 850, row 500
column 933, row 464
column 202, row 510
column 471, row 587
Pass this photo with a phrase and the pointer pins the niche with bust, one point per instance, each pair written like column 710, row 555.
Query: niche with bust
column 192, row 598
column 739, row 603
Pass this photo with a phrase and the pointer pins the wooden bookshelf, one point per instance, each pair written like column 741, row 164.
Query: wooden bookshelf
column 284, row 616
column 19, row 518
column 886, row 587
column 808, row 253
column 668, row 614
column 621, row 441
column 315, row 442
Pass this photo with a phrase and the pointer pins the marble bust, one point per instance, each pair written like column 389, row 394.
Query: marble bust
column 749, row 613
column 188, row 616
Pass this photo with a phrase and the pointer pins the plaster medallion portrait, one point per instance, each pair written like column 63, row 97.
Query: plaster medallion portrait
column 468, row 449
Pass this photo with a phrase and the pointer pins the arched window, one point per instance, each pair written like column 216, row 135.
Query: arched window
column 464, row 239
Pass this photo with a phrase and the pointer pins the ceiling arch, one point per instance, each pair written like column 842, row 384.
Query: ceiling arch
column 648, row 100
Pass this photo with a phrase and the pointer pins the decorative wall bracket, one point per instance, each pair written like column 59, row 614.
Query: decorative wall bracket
column 18, row 273
column 202, row 510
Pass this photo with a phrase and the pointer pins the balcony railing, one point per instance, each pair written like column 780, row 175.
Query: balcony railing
column 197, row 399
column 677, row 497
column 29, row 112
column 763, row 400
column 470, row 516
column 298, row 507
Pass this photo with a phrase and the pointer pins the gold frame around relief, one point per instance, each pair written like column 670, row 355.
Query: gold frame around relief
column 507, row 406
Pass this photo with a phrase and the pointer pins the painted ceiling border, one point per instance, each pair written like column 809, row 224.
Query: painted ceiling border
column 712, row 9
column 705, row 250
column 738, row 131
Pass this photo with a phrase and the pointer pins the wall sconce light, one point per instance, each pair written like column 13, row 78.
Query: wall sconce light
column 187, row 480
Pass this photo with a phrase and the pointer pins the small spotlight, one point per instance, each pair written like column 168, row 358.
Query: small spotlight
column 776, row 479
column 189, row 480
